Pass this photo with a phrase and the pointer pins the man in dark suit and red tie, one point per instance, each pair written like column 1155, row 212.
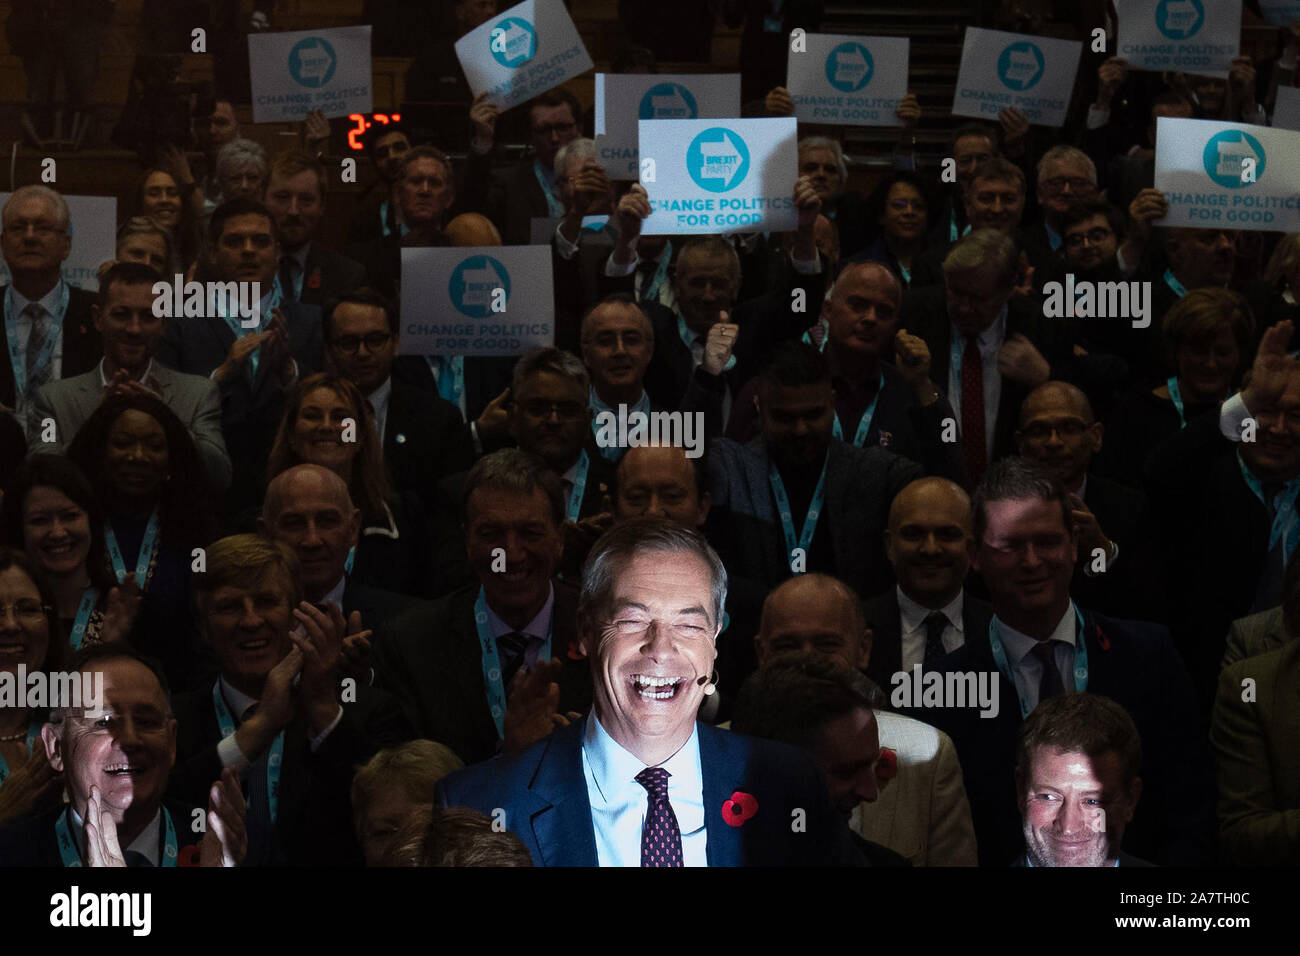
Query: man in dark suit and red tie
column 641, row 781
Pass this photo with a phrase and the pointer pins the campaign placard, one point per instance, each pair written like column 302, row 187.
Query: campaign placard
column 710, row 176
column 1286, row 109
column 624, row 100
column 1228, row 175
column 1001, row 70
column 303, row 70
column 481, row 301
column 1280, row 12
column 1190, row 36
column 529, row 49
column 848, row 80
column 91, row 222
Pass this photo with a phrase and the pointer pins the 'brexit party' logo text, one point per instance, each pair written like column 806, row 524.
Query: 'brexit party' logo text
column 717, row 159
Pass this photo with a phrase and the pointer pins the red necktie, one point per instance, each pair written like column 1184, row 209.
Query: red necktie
column 972, row 411
column 661, row 838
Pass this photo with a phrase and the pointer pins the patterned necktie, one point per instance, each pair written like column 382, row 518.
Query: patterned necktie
column 288, row 267
column 935, row 623
column 37, row 372
column 511, row 648
column 1050, row 684
column 972, row 411
column 661, row 839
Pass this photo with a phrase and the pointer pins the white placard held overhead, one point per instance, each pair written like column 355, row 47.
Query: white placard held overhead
column 624, row 100
column 304, row 70
column 848, row 80
column 1189, row 36
column 1228, row 175
column 1001, row 70
column 527, row 50
column 1280, row 12
column 91, row 220
column 709, row 176
column 488, row 301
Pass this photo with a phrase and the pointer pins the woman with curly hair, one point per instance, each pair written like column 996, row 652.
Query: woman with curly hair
column 327, row 422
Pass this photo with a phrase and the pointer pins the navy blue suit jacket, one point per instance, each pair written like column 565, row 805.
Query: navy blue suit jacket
column 1133, row 663
column 544, row 794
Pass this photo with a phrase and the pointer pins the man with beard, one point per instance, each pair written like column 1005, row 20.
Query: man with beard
column 1077, row 765
column 376, row 214
column 797, row 498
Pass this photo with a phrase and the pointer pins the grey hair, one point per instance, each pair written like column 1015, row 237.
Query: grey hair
column 825, row 142
column 633, row 537
column 986, row 251
column 519, row 473
column 581, row 147
column 553, row 360
column 715, row 246
column 240, row 154
column 51, row 196
column 1063, row 153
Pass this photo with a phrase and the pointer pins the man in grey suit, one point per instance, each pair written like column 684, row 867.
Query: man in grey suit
column 1268, row 630
column 130, row 331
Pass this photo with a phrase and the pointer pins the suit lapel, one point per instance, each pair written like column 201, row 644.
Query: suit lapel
column 559, row 809
column 887, row 640
column 724, row 844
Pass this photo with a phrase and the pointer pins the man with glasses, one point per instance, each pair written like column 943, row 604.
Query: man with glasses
column 1066, row 177
column 1041, row 644
column 423, row 436
column 47, row 323
column 994, row 198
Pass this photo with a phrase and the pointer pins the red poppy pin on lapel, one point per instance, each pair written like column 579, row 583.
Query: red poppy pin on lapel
column 1102, row 639
column 887, row 765
column 739, row 808
column 189, row 855
column 313, row 280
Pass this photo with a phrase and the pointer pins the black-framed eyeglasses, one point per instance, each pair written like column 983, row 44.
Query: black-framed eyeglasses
column 1095, row 236
column 374, row 341
column 540, row 409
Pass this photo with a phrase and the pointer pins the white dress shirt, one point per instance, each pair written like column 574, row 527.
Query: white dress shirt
column 147, row 844
column 1025, row 667
column 379, row 402
column 240, row 703
column 619, row 804
column 989, row 342
column 913, row 617
column 103, row 379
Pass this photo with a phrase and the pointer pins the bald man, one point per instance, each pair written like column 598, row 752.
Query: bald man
column 927, row 613
column 472, row 229
column 1058, row 430
column 922, row 813
column 617, row 345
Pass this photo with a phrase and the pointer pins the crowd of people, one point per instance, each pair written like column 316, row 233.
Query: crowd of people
column 367, row 607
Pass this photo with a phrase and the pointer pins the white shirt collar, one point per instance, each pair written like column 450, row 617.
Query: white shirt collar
column 642, row 405
column 336, row 593
column 103, row 379
column 914, row 614
column 146, row 844
column 239, row 701
column 538, row 627
column 990, row 340
column 379, row 402
column 1019, row 646
column 48, row 302
column 614, row 771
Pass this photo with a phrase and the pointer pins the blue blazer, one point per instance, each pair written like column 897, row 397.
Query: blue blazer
column 543, row 792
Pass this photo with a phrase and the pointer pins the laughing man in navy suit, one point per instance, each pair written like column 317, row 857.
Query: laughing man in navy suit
column 640, row 781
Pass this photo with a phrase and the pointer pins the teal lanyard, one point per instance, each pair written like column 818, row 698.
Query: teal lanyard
column 236, row 322
column 651, row 291
column 16, row 357
column 449, row 374
column 493, row 685
column 904, row 271
column 804, row 541
column 826, row 331
column 1285, row 518
column 72, row 856
column 579, row 487
column 273, row 760
column 689, row 339
column 554, row 207
column 1080, row 658
column 864, row 426
column 1176, row 396
column 383, row 218
column 1174, row 284
column 87, row 606
column 614, row 452
column 148, row 546
column 33, row 734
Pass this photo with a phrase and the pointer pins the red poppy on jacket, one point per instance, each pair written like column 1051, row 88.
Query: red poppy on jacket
column 313, row 280
column 739, row 808
column 887, row 765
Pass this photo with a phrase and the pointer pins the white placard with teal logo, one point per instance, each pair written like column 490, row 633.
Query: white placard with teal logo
column 304, row 70
column 1280, row 12
column 527, row 50
column 488, row 301
column 1001, row 70
column 91, row 221
column 1286, row 110
column 1228, row 175
column 848, row 80
column 1189, row 36
column 624, row 100
column 709, row 176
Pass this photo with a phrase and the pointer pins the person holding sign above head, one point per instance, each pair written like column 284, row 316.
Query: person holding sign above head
column 273, row 715
column 47, row 323
column 797, row 498
column 494, row 666
column 1040, row 645
column 115, row 755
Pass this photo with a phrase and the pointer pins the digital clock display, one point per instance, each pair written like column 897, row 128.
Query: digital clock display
column 361, row 123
